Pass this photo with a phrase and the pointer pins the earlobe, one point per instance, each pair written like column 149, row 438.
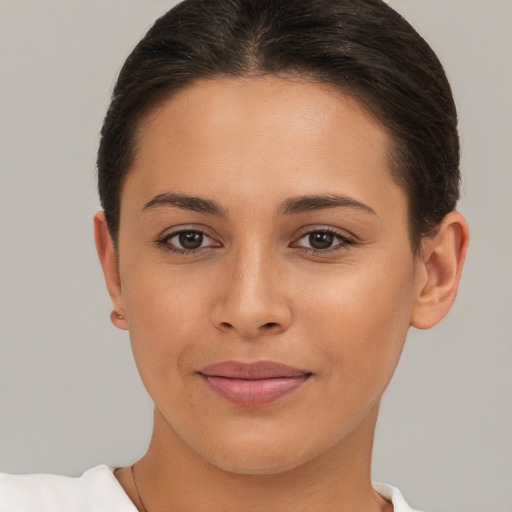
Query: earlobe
column 441, row 263
column 109, row 264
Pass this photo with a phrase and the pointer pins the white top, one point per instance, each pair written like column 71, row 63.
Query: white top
column 97, row 490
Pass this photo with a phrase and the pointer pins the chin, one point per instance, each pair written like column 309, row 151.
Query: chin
column 256, row 465
column 267, row 456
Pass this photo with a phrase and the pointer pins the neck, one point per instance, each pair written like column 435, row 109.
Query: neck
column 172, row 476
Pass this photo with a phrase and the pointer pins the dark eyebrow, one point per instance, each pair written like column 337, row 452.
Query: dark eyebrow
column 296, row 205
column 185, row 202
column 292, row 206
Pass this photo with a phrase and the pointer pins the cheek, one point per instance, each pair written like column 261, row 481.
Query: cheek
column 165, row 311
column 358, row 319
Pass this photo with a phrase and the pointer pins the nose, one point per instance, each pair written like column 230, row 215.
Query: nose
column 252, row 301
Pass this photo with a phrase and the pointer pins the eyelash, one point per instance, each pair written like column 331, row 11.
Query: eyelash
column 342, row 245
column 164, row 241
column 343, row 241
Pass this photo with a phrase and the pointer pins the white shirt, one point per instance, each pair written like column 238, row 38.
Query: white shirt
column 97, row 490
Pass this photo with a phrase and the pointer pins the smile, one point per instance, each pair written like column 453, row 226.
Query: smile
column 253, row 384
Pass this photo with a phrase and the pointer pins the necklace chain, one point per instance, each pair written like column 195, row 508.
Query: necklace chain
column 137, row 489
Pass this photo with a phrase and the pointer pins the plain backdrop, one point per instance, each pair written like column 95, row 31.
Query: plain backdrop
column 70, row 396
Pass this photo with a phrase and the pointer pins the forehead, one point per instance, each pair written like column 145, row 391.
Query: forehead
column 259, row 138
column 292, row 107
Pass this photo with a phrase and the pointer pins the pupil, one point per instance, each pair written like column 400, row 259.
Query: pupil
column 191, row 239
column 320, row 240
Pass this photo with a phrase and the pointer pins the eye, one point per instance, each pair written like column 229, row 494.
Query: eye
column 323, row 240
column 187, row 241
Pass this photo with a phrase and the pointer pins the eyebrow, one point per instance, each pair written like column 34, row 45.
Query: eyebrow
column 186, row 202
column 296, row 205
column 292, row 206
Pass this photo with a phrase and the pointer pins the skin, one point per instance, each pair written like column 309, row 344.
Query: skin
column 256, row 289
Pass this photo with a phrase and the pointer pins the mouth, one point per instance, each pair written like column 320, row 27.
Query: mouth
column 253, row 384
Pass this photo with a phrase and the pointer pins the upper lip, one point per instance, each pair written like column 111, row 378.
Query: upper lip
column 252, row 371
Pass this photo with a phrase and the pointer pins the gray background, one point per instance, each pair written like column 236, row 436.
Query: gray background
column 70, row 397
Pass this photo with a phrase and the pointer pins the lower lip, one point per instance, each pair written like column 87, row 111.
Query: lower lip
column 254, row 392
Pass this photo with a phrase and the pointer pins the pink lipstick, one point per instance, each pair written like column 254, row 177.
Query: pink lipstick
column 253, row 384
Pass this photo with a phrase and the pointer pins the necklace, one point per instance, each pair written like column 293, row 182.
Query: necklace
column 137, row 489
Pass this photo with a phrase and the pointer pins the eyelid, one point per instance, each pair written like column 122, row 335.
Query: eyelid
column 344, row 240
column 163, row 240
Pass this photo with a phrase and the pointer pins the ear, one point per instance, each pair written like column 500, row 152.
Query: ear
column 441, row 261
column 109, row 264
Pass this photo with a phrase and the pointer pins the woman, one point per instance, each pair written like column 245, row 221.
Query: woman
column 279, row 182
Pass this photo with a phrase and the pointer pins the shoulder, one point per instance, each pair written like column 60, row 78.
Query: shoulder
column 393, row 495
column 97, row 490
column 41, row 492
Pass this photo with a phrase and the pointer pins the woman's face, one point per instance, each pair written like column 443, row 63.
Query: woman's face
column 260, row 224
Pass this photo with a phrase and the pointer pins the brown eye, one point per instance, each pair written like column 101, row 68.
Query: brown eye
column 187, row 241
column 190, row 240
column 321, row 239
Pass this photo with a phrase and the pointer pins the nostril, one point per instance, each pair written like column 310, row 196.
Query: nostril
column 270, row 324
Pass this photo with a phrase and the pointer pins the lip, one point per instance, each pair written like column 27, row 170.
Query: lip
column 253, row 384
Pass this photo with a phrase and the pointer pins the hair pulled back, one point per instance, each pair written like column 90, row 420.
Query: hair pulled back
column 363, row 47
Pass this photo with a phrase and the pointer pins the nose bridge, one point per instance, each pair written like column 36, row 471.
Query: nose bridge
column 253, row 299
column 251, row 277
